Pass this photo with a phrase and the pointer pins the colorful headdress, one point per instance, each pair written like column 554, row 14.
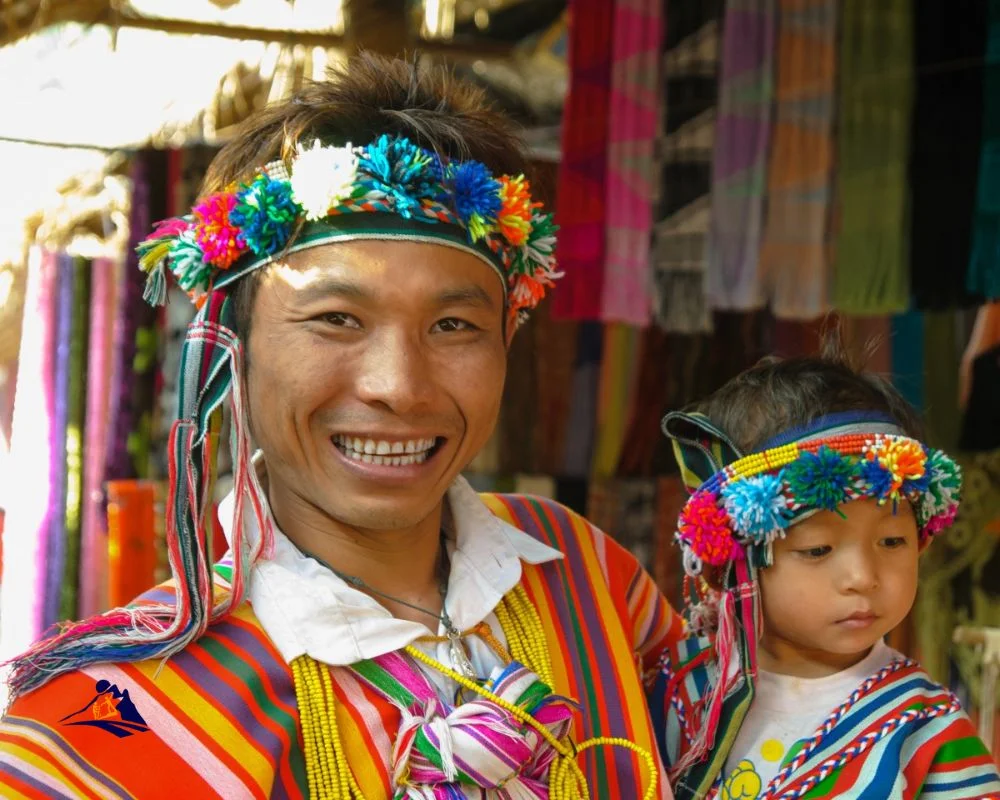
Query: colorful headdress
column 740, row 504
column 389, row 189
column 750, row 501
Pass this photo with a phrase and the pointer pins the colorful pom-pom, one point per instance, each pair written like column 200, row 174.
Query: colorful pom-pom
column 216, row 232
column 398, row 169
column 266, row 214
column 822, row 480
column 516, row 209
column 705, row 528
column 757, row 507
column 477, row 197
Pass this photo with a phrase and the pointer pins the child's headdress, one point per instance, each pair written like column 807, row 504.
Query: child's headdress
column 389, row 189
column 740, row 503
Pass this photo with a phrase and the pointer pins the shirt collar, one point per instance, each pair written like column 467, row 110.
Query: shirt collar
column 306, row 609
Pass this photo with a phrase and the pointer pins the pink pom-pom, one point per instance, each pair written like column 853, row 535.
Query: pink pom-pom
column 220, row 240
column 941, row 521
column 705, row 526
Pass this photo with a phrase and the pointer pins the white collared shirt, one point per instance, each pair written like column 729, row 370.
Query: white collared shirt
column 306, row 609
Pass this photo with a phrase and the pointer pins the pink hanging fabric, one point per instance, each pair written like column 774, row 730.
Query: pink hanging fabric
column 632, row 131
column 94, row 543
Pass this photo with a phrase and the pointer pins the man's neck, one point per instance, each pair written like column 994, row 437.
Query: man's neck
column 402, row 563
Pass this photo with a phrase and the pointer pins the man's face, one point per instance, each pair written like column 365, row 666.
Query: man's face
column 376, row 374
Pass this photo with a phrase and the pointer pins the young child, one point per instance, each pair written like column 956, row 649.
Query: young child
column 812, row 498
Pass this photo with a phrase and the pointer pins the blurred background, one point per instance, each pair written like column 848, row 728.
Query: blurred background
column 728, row 175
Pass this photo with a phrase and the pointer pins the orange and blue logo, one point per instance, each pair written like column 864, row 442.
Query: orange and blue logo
column 111, row 710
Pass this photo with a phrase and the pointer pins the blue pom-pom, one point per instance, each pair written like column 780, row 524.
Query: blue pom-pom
column 265, row 213
column 476, row 192
column 876, row 480
column 758, row 507
column 400, row 170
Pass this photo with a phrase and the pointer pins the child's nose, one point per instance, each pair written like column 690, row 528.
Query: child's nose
column 860, row 574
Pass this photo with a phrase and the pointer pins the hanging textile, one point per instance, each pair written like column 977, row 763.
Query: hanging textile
column 632, row 131
column 687, row 128
column 652, row 391
column 602, row 504
column 942, row 359
column 555, row 354
column 79, row 280
column 134, row 368
column 635, row 528
column 949, row 45
column 581, row 203
column 739, row 168
column 519, row 408
column 795, row 251
column 33, row 451
column 981, row 419
column 984, row 265
column 105, row 280
column 55, row 544
column 583, row 404
column 615, row 396
column 908, row 357
column 668, row 569
column 871, row 267
column 535, row 485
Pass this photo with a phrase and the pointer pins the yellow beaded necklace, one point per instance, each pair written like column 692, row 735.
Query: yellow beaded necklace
column 329, row 774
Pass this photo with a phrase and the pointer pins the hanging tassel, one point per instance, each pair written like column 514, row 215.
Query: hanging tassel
column 155, row 292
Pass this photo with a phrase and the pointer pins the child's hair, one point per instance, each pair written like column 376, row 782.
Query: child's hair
column 777, row 395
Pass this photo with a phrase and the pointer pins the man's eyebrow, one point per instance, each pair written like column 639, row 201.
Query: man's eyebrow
column 466, row 295
column 330, row 286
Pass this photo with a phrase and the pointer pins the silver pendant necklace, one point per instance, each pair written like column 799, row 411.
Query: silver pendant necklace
column 456, row 650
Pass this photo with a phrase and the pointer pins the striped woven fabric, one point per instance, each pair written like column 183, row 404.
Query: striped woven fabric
column 221, row 717
column 899, row 736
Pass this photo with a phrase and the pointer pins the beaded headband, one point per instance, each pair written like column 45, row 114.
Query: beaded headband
column 388, row 189
column 753, row 500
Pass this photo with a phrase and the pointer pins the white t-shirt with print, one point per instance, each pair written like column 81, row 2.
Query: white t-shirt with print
column 785, row 710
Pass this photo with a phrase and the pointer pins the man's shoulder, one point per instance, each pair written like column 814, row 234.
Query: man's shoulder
column 118, row 720
column 542, row 517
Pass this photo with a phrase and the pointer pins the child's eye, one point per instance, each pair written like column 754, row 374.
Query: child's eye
column 893, row 542
column 815, row 552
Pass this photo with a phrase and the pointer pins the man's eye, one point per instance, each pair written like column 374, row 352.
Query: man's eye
column 451, row 324
column 340, row 320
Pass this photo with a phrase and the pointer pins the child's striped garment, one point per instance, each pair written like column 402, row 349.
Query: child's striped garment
column 898, row 736
column 220, row 718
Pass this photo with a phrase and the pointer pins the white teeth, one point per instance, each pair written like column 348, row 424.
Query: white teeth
column 383, row 452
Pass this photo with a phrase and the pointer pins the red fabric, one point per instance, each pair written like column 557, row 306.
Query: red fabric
column 581, row 205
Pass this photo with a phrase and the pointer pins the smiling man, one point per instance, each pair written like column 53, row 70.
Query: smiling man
column 361, row 258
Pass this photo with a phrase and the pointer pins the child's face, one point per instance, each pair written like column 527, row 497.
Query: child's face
column 837, row 585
